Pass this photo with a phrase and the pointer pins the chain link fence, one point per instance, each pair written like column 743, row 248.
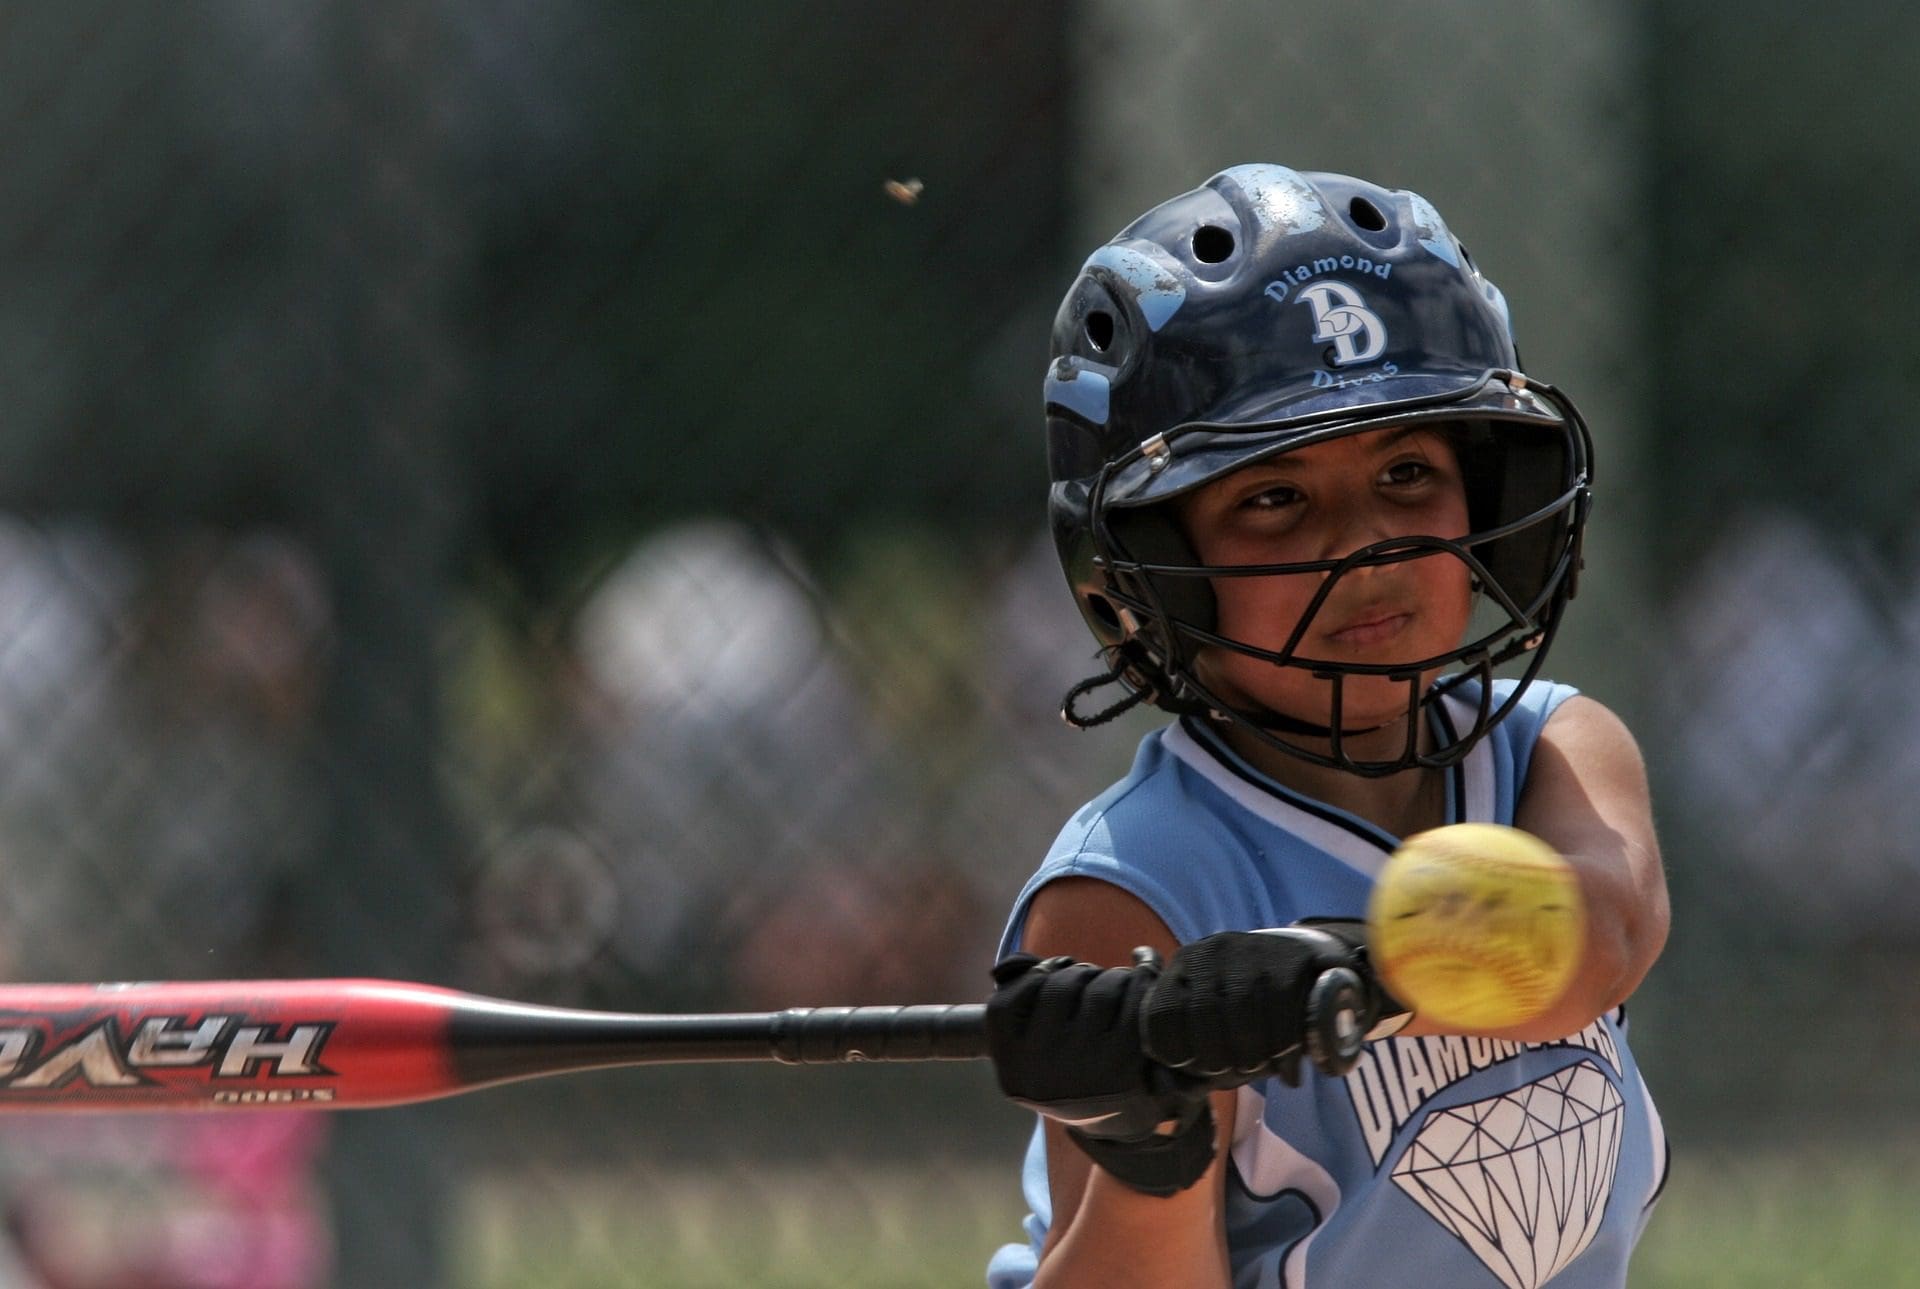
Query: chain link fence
column 544, row 498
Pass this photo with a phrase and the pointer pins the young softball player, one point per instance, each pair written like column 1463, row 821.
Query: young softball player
column 1308, row 501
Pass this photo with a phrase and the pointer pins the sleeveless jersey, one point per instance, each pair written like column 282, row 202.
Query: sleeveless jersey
column 1441, row 1163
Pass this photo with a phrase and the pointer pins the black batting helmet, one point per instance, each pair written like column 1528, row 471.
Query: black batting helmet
column 1264, row 311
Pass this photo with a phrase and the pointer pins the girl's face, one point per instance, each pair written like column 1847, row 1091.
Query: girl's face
column 1325, row 502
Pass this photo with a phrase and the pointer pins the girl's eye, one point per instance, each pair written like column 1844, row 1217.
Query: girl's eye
column 1273, row 498
column 1409, row 471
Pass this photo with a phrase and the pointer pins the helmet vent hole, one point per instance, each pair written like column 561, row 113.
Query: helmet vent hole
column 1212, row 244
column 1366, row 214
column 1100, row 330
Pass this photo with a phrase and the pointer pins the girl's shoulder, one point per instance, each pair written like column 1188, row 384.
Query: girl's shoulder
column 1531, row 707
column 1154, row 834
column 1205, row 849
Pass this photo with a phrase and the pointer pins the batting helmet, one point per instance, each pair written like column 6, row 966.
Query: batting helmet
column 1268, row 310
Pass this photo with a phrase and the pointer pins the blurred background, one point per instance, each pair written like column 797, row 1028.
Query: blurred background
column 546, row 498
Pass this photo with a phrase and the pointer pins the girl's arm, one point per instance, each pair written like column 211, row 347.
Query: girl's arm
column 1586, row 796
column 1104, row 1233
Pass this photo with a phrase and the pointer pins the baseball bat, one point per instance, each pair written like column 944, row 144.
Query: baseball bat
column 345, row 1044
column 362, row 1043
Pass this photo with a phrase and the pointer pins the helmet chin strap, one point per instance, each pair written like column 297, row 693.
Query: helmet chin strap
column 1263, row 717
column 1281, row 723
column 1275, row 728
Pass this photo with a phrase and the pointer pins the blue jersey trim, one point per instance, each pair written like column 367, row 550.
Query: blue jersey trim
column 1230, row 760
column 1277, row 1255
column 1456, row 773
column 1666, row 1171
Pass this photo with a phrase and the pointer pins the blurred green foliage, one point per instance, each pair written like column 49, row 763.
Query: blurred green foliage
column 665, row 275
column 1774, row 275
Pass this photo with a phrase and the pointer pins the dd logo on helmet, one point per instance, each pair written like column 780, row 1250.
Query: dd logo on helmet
column 1340, row 316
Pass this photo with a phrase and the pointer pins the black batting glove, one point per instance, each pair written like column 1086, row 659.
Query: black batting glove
column 1232, row 1007
column 1066, row 1041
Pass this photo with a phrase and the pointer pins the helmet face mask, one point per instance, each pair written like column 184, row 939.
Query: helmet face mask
column 1331, row 308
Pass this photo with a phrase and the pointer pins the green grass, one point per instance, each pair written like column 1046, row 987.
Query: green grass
column 783, row 1228
column 1756, row 1220
column 1786, row 1220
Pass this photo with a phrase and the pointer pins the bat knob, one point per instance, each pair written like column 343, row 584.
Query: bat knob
column 1336, row 1026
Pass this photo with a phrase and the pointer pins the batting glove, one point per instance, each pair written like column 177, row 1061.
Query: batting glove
column 1232, row 1007
column 1066, row 1041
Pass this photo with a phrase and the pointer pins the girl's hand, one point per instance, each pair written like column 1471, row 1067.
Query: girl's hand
column 1235, row 1006
column 1066, row 1041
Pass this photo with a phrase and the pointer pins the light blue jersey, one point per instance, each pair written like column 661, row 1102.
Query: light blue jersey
column 1441, row 1163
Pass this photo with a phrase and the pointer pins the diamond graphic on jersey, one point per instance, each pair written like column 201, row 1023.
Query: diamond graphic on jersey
column 1522, row 1178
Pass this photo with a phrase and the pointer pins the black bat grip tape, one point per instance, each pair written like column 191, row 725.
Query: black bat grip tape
column 829, row 1035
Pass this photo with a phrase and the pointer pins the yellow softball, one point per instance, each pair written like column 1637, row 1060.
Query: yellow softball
column 1476, row 926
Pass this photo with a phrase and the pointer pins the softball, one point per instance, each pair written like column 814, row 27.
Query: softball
column 1476, row 926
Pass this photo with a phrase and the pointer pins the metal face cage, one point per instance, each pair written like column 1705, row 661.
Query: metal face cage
column 1525, row 565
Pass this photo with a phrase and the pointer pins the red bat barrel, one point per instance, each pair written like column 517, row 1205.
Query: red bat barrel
column 225, row 1043
column 358, row 1043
